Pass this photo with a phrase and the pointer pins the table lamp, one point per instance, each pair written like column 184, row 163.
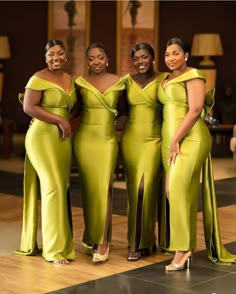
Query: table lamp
column 207, row 45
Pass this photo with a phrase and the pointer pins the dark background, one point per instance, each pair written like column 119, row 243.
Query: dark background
column 26, row 24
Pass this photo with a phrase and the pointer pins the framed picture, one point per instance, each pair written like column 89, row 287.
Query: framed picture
column 69, row 21
column 137, row 22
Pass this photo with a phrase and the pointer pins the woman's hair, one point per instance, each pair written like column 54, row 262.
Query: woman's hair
column 52, row 43
column 144, row 46
column 184, row 45
column 97, row 45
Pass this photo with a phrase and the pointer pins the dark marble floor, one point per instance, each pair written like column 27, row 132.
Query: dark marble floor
column 203, row 277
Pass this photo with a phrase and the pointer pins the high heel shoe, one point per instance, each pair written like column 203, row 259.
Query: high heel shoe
column 184, row 264
column 97, row 257
column 133, row 255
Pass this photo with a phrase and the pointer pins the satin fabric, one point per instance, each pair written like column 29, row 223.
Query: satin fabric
column 179, row 213
column 95, row 147
column 140, row 146
column 46, row 176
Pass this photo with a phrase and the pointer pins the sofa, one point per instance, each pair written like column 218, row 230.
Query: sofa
column 233, row 144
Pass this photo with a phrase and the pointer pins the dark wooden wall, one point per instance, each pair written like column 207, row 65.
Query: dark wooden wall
column 25, row 22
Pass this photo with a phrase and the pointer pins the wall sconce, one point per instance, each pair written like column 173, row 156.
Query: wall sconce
column 4, row 54
column 207, row 45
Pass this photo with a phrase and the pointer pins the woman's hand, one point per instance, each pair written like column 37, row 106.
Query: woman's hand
column 174, row 151
column 31, row 122
column 65, row 127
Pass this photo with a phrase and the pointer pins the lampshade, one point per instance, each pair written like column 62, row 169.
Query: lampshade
column 4, row 48
column 206, row 44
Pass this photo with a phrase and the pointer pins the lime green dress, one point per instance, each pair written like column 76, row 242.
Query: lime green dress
column 95, row 147
column 46, row 176
column 180, row 212
column 140, row 146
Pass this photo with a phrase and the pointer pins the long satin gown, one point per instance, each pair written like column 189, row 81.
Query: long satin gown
column 183, row 177
column 46, row 176
column 95, row 147
column 141, row 156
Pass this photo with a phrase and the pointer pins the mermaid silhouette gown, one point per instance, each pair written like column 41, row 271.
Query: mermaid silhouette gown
column 183, row 177
column 95, row 147
column 46, row 175
column 141, row 157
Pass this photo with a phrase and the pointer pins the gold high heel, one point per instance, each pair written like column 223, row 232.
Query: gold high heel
column 183, row 265
column 97, row 257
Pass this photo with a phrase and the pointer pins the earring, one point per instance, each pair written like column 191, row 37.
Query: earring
column 186, row 59
column 66, row 59
column 153, row 62
column 107, row 64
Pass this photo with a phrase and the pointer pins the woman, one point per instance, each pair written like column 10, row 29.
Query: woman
column 186, row 143
column 48, row 98
column 96, row 148
column 141, row 151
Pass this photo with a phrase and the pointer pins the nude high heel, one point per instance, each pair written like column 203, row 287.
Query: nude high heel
column 184, row 265
column 97, row 257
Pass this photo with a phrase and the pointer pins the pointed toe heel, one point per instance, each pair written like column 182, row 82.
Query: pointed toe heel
column 184, row 265
column 97, row 257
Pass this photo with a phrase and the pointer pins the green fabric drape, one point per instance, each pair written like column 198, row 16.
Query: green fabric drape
column 217, row 253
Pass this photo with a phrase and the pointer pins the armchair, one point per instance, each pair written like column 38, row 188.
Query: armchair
column 233, row 144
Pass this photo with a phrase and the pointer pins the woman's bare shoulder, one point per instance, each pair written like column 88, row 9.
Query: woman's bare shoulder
column 41, row 73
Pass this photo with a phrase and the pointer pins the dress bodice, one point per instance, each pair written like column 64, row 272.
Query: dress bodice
column 54, row 97
column 174, row 90
column 174, row 98
column 144, row 105
column 98, row 107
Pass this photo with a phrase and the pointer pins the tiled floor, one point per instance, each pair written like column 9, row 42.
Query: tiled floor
column 203, row 277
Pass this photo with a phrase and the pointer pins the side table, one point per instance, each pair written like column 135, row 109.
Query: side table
column 220, row 139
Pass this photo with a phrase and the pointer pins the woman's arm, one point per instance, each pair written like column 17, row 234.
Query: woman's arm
column 31, row 106
column 196, row 96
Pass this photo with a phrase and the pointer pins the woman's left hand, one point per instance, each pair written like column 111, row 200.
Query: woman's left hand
column 174, row 151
